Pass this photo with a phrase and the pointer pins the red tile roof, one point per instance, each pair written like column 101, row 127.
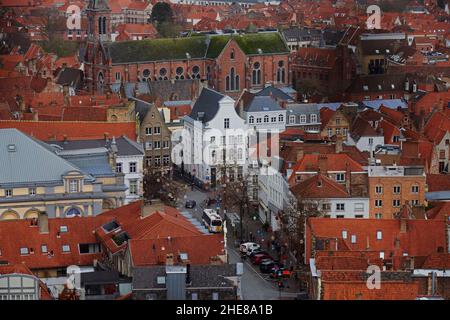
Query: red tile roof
column 57, row 130
column 422, row 237
column 325, row 116
column 16, row 234
column 437, row 261
column 333, row 161
column 437, row 126
column 21, row 268
column 438, row 182
column 319, row 186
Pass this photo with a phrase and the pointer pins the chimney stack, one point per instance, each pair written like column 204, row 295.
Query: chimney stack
column 322, row 162
column 43, row 222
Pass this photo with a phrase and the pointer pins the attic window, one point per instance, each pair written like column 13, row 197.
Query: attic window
column 24, row 251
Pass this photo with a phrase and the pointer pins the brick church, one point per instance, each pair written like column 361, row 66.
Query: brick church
column 227, row 63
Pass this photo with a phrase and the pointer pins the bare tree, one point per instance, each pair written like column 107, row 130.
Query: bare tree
column 158, row 185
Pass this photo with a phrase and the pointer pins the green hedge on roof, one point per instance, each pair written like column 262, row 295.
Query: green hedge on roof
column 196, row 46
column 157, row 49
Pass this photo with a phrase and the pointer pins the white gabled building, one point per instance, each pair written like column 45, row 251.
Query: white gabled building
column 214, row 140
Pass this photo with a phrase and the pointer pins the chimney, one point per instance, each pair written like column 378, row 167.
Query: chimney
column 43, row 222
column 322, row 162
column 300, row 154
column 348, row 178
column 338, row 145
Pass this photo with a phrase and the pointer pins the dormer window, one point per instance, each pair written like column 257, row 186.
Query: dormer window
column 63, row 229
column 74, row 186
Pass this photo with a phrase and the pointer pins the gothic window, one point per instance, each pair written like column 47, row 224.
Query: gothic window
column 195, row 72
column 232, row 55
column 281, row 73
column 162, row 74
column 104, row 25
column 100, row 82
column 146, row 75
column 232, row 81
column 256, row 74
column 179, row 71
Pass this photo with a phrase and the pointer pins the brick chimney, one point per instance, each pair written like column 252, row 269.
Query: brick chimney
column 338, row 145
column 323, row 164
column 43, row 222
column 348, row 178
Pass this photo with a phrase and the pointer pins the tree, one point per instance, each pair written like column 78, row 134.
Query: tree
column 158, row 185
column 235, row 197
column 161, row 12
column 169, row 30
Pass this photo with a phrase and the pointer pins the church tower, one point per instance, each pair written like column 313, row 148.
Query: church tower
column 97, row 62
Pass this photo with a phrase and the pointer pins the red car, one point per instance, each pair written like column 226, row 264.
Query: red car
column 259, row 257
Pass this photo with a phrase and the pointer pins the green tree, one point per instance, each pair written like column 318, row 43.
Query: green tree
column 169, row 30
column 161, row 12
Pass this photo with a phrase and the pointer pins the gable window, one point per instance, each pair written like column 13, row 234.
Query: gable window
column 226, row 123
column 157, row 130
column 232, row 55
column 148, row 131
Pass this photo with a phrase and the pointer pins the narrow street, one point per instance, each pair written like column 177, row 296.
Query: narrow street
column 255, row 286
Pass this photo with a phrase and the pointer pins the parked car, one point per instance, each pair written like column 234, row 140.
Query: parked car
column 269, row 266
column 259, row 257
column 190, row 204
column 249, row 247
column 251, row 254
column 281, row 272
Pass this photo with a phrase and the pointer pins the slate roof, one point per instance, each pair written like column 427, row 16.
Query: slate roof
column 93, row 161
column 274, row 92
column 70, row 76
column 125, row 146
column 201, row 276
column 304, row 108
column 31, row 162
column 262, row 103
column 206, row 106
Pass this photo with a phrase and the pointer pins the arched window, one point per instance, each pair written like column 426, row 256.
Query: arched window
column 232, row 55
column 251, row 119
column 239, row 154
column 196, row 72
column 104, row 25
column 280, row 118
column 256, row 74
column 281, row 73
column 179, row 71
column 100, row 25
column 232, row 79
column 73, row 212
column 100, row 82
column 162, row 74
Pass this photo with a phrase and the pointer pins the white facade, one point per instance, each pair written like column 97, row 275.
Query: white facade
column 132, row 168
column 345, row 207
column 366, row 143
column 205, row 144
column 274, row 120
